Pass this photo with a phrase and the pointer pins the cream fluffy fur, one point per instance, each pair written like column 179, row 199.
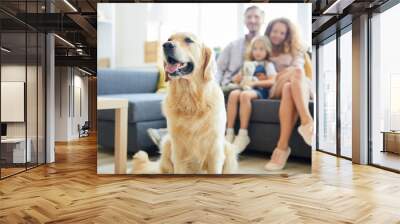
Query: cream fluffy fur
column 196, row 117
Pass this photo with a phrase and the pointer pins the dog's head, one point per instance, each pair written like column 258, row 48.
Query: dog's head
column 186, row 57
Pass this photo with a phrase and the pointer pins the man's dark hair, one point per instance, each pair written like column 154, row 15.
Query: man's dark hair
column 252, row 8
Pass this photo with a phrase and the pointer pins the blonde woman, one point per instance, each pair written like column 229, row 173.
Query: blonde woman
column 292, row 86
column 258, row 55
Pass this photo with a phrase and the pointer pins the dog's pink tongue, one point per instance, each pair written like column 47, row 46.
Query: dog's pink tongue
column 171, row 68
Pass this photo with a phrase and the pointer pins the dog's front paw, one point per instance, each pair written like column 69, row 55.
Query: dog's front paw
column 140, row 156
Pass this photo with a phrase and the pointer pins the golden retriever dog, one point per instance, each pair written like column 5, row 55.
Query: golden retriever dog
column 195, row 112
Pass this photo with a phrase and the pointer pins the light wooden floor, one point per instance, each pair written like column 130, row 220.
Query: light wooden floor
column 70, row 191
column 10, row 171
column 386, row 159
column 5, row 172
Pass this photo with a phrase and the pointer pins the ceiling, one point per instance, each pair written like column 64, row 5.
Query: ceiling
column 76, row 23
column 331, row 15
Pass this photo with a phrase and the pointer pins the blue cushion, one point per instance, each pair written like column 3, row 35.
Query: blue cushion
column 123, row 81
column 142, row 107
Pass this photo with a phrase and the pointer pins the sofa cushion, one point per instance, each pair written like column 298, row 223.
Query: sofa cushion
column 126, row 81
column 267, row 111
column 142, row 107
column 264, row 137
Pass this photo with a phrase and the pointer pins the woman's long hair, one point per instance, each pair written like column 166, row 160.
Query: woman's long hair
column 292, row 43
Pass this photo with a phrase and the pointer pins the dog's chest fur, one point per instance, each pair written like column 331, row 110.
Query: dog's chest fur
column 187, row 101
column 193, row 117
column 188, row 108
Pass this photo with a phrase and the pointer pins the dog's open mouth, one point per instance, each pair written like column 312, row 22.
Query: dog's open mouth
column 176, row 68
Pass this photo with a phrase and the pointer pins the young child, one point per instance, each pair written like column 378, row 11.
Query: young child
column 258, row 75
column 256, row 66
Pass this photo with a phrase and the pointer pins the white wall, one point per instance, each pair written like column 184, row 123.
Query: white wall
column 304, row 16
column 122, row 32
column 81, row 84
column 130, row 26
column 33, row 126
column 106, row 34
column 61, row 103
column 14, row 72
column 314, row 88
column 123, row 28
column 12, row 100
column 68, row 83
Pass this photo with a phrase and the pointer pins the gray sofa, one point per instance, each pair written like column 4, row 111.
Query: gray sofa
column 139, row 86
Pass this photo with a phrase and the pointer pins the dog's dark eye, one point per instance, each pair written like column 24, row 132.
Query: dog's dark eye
column 169, row 39
column 188, row 40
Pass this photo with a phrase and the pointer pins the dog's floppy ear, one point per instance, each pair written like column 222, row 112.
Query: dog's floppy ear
column 208, row 64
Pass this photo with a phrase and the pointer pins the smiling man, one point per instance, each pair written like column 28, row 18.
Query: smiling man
column 232, row 57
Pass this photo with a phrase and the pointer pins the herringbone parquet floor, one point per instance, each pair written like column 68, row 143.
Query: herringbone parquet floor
column 70, row 191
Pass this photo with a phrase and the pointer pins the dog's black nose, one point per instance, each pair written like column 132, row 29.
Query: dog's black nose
column 168, row 45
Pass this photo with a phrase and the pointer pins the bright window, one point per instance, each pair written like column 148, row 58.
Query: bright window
column 327, row 97
column 385, row 84
column 346, row 94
